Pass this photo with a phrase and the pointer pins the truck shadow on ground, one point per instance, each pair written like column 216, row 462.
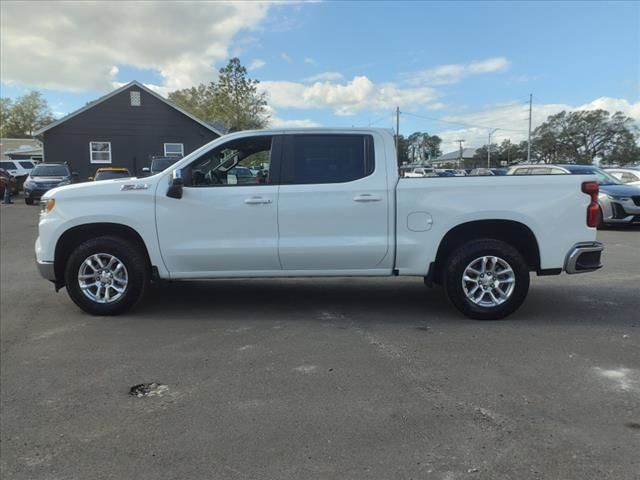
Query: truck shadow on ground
column 374, row 301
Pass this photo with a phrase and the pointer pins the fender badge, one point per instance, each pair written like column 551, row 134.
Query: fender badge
column 134, row 186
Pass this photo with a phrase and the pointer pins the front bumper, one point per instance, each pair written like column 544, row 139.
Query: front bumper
column 36, row 193
column 46, row 270
column 584, row 257
column 616, row 211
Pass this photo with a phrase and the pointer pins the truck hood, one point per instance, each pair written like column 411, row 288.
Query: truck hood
column 621, row 190
column 103, row 187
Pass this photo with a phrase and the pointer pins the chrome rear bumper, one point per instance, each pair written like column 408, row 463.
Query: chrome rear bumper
column 584, row 257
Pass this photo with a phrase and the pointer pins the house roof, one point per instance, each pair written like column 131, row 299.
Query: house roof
column 25, row 151
column 120, row 90
column 15, row 145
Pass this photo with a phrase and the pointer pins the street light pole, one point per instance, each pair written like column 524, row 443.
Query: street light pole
column 489, row 147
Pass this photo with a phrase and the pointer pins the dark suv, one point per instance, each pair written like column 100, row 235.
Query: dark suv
column 44, row 177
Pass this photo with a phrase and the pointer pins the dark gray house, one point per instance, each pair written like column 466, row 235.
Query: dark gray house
column 125, row 128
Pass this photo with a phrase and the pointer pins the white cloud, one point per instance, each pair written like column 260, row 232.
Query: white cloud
column 284, row 56
column 277, row 122
column 513, row 121
column 310, row 61
column 453, row 73
column 324, row 77
column 358, row 94
column 77, row 46
column 256, row 64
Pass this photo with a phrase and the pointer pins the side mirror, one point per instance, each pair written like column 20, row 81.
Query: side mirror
column 175, row 185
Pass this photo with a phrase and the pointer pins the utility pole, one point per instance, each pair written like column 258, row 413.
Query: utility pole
column 529, row 141
column 397, row 128
column 489, row 147
column 460, row 157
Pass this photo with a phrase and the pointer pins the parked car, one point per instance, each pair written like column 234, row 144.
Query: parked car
column 499, row 171
column 109, row 173
column 481, row 172
column 333, row 206
column 18, row 169
column 419, row 172
column 159, row 164
column 537, row 169
column 43, row 178
column 7, row 181
column 619, row 203
column 629, row 176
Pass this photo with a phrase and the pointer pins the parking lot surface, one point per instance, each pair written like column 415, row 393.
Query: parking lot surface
column 320, row 379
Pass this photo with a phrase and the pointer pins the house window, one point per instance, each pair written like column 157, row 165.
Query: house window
column 135, row 98
column 100, row 152
column 174, row 150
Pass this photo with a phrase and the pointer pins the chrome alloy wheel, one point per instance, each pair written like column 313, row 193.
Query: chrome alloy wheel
column 488, row 281
column 103, row 278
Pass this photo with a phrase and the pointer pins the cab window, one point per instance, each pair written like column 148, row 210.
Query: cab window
column 241, row 162
column 327, row 158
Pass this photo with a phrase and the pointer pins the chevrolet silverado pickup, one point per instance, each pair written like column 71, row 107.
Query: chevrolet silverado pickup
column 328, row 202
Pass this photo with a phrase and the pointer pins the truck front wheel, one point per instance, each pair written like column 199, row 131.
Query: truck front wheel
column 486, row 279
column 106, row 275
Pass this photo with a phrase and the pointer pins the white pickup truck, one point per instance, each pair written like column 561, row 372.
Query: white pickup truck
column 325, row 202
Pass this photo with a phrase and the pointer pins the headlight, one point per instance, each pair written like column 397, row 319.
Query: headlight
column 617, row 198
column 29, row 184
column 47, row 205
column 64, row 182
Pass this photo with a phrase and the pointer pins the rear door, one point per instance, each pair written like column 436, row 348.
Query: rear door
column 333, row 204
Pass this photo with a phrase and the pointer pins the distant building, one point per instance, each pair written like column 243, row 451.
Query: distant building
column 455, row 158
column 124, row 128
column 20, row 149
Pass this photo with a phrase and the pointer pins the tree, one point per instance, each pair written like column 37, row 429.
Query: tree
column 422, row 146
column 234, row 99
column 6, row 105
column 20, row 119
column 586, row 136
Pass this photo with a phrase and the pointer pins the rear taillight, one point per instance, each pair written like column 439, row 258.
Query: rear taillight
column 593, row 210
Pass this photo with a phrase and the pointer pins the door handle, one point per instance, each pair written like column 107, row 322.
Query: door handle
column 257, row 201
column 367, row 197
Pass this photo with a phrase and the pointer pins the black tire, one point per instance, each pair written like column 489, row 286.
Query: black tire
column 28, row 201
column 467, row 253
column 135, row 262
column 601, row 224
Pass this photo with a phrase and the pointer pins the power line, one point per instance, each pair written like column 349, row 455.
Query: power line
column 462, row 123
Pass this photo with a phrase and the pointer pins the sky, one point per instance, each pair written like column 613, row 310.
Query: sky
column 455, row 69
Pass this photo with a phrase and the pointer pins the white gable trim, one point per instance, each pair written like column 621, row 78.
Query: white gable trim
column 116, row 92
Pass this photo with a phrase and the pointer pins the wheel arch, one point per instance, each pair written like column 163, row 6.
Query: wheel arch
column 512, row 232
column 79, row 234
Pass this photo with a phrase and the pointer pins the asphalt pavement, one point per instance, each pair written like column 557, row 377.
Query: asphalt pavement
column 320, row 379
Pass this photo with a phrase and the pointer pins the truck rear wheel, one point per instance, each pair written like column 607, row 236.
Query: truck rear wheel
column 486, row 279
column 106, row 275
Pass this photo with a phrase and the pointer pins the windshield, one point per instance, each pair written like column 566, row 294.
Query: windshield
column 50, row 171
column 160, row 164
column 108, row 174
column 606, row 179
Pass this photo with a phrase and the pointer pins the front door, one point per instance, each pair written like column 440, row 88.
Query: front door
column 225, row 224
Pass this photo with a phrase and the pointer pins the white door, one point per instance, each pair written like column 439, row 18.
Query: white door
column 333, row 205
column 225, row 224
